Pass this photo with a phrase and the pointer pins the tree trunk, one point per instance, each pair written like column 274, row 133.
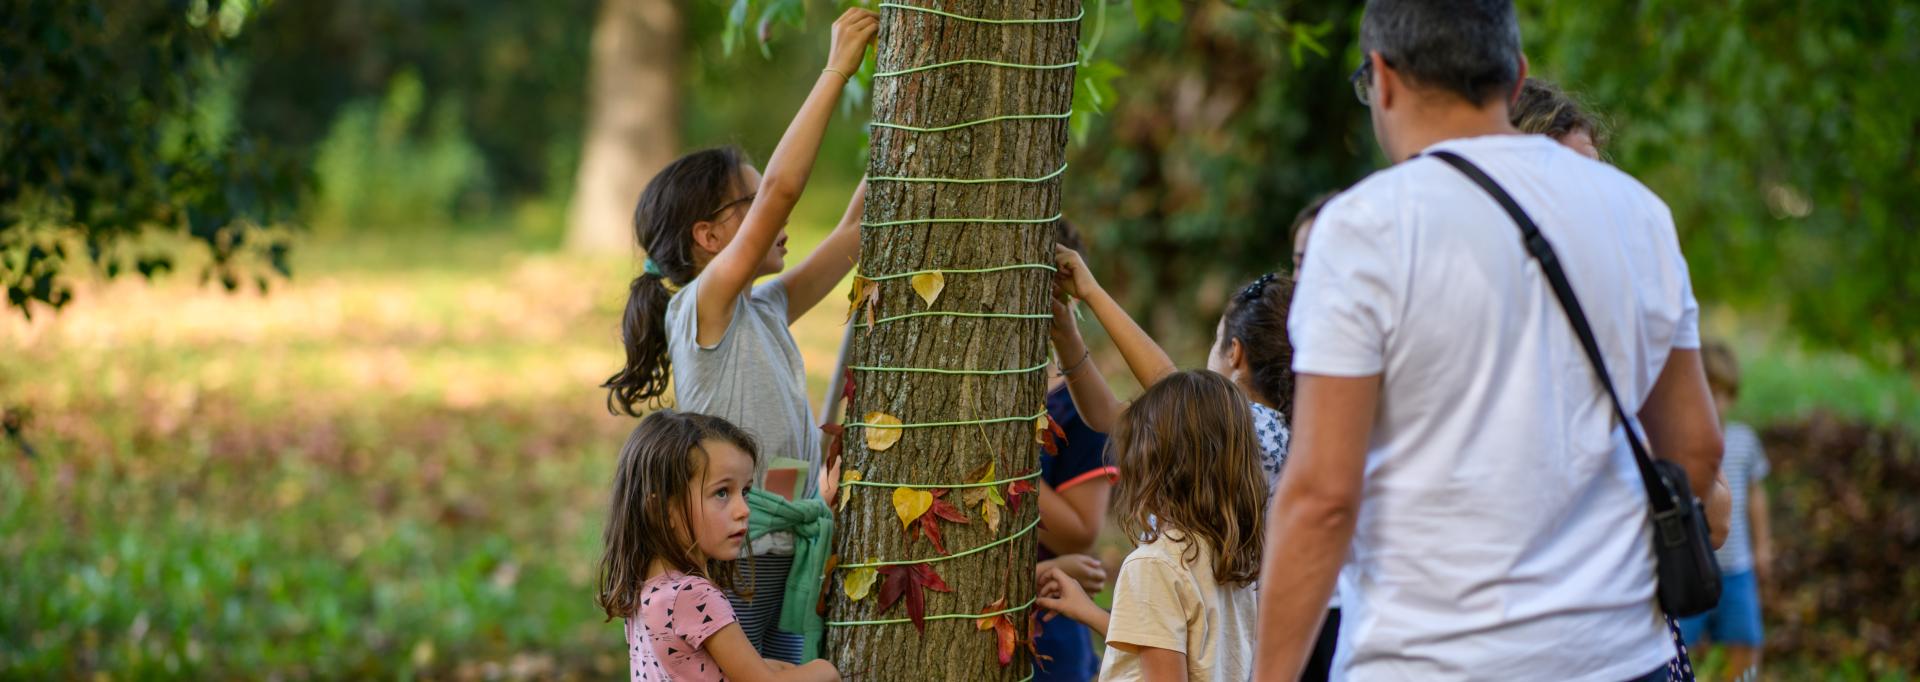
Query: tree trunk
column 869, row 528
column 633, row 121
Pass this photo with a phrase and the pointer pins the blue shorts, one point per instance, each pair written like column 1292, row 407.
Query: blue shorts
column 1735, row 621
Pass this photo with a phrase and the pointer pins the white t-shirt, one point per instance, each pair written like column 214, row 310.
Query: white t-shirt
column 1503, row 532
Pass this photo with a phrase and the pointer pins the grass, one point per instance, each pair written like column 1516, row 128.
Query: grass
column 393, row 465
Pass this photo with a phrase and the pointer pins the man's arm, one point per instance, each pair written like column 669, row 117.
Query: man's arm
column 1312, row 515
column 1681, row 422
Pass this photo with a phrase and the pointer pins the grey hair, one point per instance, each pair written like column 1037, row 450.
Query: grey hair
column 1470, row 48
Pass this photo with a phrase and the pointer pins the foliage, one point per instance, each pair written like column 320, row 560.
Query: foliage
column 104, row 141
column 1782, row 138
column 1846, row 519
column 378, row 168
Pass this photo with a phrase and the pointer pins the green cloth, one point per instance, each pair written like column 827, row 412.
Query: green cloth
column 811, row 522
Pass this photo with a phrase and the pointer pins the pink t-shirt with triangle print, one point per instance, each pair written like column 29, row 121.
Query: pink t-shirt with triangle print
column 678, row 612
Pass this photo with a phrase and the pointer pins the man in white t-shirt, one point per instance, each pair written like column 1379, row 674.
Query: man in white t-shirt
column 1455, row 461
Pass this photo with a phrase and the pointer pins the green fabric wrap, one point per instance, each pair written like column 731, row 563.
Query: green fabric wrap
column 811, row 522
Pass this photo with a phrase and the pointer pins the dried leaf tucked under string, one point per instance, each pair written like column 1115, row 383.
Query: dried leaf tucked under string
column 1033, row 633
column 879, row 438
column 939, row 510
column 1016, row 489
column 986, row 497
column 1001, row 624
column 910, row 505
column 907, row 581
column 859, row 582
column 1048, row 434
column 846, row 491
column 864, row 293
column 929, row 285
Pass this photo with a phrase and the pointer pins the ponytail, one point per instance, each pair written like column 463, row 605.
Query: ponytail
column 644, row 335
column 691, row 189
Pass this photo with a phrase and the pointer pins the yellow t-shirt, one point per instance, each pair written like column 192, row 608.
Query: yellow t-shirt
column 1165, row 602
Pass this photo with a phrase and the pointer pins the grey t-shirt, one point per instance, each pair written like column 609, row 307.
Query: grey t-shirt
column 753, row 377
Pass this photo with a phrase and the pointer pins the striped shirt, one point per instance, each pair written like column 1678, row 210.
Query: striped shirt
column 1744, row 464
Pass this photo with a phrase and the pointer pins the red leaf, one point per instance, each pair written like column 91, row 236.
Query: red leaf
column 834, row 445
column 1003, row 627
column 1046, row 442
column 1015, row 490
column 898, row 580
column 1033, row 633
column 917, row 607
column 924, row 575
column 930, row 527
column 846, row 390
column 1054, row 427
column 945, row 510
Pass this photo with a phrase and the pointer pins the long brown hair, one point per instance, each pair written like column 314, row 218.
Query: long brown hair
column 1188, row 459
column 693, row 188
column 660, row 458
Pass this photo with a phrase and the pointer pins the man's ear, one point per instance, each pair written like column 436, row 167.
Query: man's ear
column 1383, row 75
column 1518, row 85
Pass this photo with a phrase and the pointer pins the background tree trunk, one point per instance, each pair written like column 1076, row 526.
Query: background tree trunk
column 869, row 528
column 633, row 119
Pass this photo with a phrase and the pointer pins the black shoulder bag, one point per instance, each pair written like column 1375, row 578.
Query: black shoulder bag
column 1688, row 575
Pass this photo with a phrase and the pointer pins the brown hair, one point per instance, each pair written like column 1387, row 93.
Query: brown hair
column 1308, row 213
column 693, row 188
column 1544, row 109
column 1188, row 459
column 1065, row 234
column 1257, row 318
column 1723, row 369
column 660, row 458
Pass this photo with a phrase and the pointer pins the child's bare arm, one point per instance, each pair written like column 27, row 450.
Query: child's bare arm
column 733, row 269
column 1159, row 665
column 1070, row 521
column 810, row 281
column 1760, row 523
column 1091, row 395
column 740, row 662
column 1060, row 593
column 1148, row 361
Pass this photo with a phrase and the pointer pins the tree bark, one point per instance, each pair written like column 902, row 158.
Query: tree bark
column 633, row 121
column 869, row 527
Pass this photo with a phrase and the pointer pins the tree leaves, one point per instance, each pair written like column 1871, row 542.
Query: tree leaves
column 859, row 582
column 864, row 293
column 986, row 497
column 1016, row 489
column 929, row 285
column 907, row 581
column 846, row 491
column 939, row 510
column 1001, row 624
column 1048, row 434
column 910, row 505
column 883, row 436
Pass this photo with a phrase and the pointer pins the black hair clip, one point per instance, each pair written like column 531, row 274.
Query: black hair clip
column 1258, row 287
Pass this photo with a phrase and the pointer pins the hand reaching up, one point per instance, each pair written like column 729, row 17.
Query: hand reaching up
column 1073, row 277
column 852, row 32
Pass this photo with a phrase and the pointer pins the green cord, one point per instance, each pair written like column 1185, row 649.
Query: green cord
column 935, row 370
column 937, row 559
column 969, row 422
column 984, row 62
column 1009, row 221
column 971, row 181
column 943, row 616
column 948, row 313
column 965, row 271
column 968, row 124
column 929, row 10
column 877, row 484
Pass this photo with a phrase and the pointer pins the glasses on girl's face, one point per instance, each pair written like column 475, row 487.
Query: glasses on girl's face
column 746, row 200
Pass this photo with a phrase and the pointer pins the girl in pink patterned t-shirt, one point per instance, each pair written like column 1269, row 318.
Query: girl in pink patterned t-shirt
column 679, row 517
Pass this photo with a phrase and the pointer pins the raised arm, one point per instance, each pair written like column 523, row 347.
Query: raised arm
column 733, row 270
column 810, row 281
column 1149, row 363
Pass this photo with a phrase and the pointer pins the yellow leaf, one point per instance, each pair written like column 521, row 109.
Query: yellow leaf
column 846, row 491
column 929, row 285
column 1040, row 430
column 881, row 437
column 986, row 497
column 910, row 504
column 991, row 512
column 856, row 295
column 859, row 582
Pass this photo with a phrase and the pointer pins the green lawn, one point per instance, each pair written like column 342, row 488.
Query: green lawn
column 393, row 465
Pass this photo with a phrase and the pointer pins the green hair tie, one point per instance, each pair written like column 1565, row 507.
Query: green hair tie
column 652, row 268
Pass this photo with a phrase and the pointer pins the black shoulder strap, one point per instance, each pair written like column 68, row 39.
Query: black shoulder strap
column 1542, row 251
